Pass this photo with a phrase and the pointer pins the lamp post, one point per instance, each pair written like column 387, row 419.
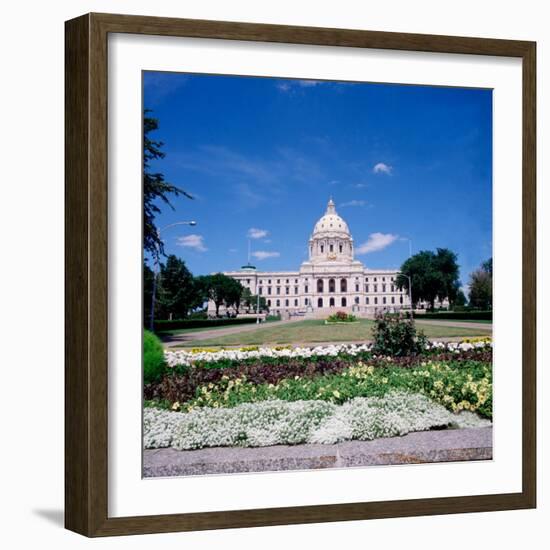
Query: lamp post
column 410, row 289
column 157, row 269
column 252, row 268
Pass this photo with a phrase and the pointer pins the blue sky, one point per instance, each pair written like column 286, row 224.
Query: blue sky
column 262, row 156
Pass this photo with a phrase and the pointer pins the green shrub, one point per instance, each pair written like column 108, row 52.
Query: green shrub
column 341, row 317
column 174, row 324
column 396, row 335
column 458, row 315
column 153, row 358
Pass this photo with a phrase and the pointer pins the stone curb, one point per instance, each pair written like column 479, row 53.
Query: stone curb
column 414, row 448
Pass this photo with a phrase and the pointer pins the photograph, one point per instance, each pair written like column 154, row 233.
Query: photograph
column 317, row 285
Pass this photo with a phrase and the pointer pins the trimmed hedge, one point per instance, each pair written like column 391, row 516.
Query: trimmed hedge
column 163, row 325
column 457, row 315
column 153, row 358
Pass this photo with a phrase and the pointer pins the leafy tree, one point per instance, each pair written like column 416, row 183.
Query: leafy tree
column 148, row 276
column 460, row 300
column 487, row 266
column 155, row 187
column 433, row 275
column 180, row 293
column 481, row 289
column 221, row 289
column 446, row 264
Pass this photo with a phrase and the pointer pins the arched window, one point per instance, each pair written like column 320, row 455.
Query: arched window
column 322, row 249
column 319, row 285
column 278, row 303
column 344, row 302
column 340, row 249
column 320, row 302
column 357, row 299
column 343, row 285
column 269, row 303
column 331, row 285
column 331, row 302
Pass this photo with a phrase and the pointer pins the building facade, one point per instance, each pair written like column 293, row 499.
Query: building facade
column 330, row 280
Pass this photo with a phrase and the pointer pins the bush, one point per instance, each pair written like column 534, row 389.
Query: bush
column 341, row 317
column 457, row 315
column 164, row 325
column 153, row 358
column 270, row 318
column 396, row 335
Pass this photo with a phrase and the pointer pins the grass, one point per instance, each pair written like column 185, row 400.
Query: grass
column 315, row 330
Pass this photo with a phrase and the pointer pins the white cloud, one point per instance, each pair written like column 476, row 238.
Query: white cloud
column 353, row 202
column 263, row 255
column 375, row 242
column 382, row 168
column 283, row 86
column 192, row 241
column 255, row 233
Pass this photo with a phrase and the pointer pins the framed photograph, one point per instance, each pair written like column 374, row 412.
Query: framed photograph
column 300, row 275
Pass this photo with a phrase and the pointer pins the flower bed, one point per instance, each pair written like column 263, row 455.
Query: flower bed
column 277, row 422
column 341, row 317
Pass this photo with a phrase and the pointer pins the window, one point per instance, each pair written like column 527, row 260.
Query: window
column 296, row 302
column 367, row 300
column 366, row 287
column 340, row 249
column 269, row 290
column 286, row 281
column 375, row 287
column 306, row 289
column 384, row 300
column 383, row 278
column 306, row 301
column 278, row 290
column 343, row 285
column 278, row 281
column 287, row 290
column 248, row 281
column 375, row 279
column 331, row 302
column 356, row 288
column 331, row 285
column 278, row 303
column 260, row 281
column 320, row 302
column 392, row 288
column 357, row 300
column 375, row 300
column 322, row 249
column 269, row 282
column 332, row 248
column 319, row 285
column 286, row 303
column 400, row 299
column 366, row 279
column 260, row 290
column 393, row 300
column 295, row 281
column 344, row 302
column 295, row 290
column 269, row 303
column 383, row 288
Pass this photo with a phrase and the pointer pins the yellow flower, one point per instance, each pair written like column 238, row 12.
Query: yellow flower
column 336, row 394
column 176, row 406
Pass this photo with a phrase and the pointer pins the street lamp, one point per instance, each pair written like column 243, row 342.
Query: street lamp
column 157, row 269
column 410, row 289
column 250, row 267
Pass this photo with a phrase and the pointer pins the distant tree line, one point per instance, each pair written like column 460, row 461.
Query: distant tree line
column 180, row 294
column 435, row 276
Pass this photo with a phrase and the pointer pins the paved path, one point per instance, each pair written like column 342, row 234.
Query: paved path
column 413, row 448
column 178, row 339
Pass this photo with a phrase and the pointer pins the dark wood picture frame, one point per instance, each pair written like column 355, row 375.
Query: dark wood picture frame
column 86, row 281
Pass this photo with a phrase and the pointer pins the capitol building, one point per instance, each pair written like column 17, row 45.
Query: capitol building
column 330, row 280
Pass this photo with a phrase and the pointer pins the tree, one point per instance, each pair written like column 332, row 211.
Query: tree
column 222, row 289
column 487, row 266
column 155, row 187
column 446, row 264
column 481, row 289
column 433, row 275
column 148, row 276
column 460, row 300
column 180, row 293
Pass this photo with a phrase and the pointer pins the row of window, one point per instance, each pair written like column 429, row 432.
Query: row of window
column 332, row 301
column 287, row 281
column 331, row 288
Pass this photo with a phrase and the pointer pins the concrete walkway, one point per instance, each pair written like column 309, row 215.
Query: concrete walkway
column 178, row 339
column 414, row 448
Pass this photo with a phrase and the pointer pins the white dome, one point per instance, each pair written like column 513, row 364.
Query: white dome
column 331, row 222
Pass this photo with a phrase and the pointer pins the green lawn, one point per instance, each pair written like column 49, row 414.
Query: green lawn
column 311, row 331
